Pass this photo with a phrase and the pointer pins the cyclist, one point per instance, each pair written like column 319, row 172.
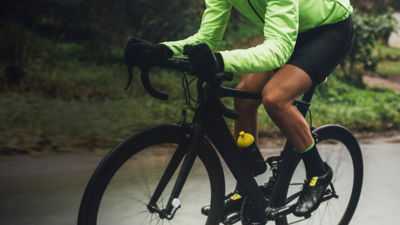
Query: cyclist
column 304, row 42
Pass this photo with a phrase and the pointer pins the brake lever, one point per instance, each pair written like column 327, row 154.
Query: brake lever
column 145, row 53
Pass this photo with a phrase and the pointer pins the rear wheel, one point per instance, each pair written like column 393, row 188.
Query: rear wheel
column 121, row 187
column 338, row 148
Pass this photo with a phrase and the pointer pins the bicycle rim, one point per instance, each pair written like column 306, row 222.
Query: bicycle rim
column 342, row 153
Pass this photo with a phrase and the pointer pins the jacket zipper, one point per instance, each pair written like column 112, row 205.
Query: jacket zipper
column 258, row 15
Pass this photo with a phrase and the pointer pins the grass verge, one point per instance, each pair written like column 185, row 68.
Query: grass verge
column 73, row 106
column 33, row 122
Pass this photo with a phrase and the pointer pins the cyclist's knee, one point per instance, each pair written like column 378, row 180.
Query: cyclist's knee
column 274, row 102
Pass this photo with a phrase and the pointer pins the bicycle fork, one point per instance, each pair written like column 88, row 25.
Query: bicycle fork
column 186, row 152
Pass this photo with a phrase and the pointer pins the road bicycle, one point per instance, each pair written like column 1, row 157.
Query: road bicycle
column 165, row 174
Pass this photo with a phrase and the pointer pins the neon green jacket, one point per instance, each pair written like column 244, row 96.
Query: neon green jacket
column 282, row 21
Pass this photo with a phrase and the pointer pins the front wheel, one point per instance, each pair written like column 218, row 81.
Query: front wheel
column 337, row 147
column 120, row 189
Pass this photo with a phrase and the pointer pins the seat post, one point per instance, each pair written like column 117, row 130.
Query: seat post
column 308, row 95
column 304, row 103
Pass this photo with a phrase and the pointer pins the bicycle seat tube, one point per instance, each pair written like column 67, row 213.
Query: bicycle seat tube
column 215, row 128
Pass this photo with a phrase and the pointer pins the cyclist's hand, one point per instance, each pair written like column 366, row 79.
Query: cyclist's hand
column 203, row 59
column 142, row 53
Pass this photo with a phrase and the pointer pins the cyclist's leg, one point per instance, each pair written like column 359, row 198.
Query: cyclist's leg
column 278, row 95
column 247, row 108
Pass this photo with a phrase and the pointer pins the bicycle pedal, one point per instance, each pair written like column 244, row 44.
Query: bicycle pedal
column 328, row 192
column 231, row 218
column 328, row 195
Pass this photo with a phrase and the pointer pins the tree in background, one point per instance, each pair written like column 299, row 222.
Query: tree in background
column 47, row 32
column 376, row 6
column 30, row 31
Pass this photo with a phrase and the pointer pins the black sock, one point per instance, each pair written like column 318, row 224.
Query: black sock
column 315, row 166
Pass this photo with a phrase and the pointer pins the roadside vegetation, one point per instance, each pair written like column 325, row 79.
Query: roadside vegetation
column 389, row 66
column 64, row 92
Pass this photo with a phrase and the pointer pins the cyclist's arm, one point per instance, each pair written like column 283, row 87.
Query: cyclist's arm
column 211, row 30
column 280, row 32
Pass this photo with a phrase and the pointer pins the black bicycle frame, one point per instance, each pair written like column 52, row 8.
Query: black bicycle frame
column 208, row 121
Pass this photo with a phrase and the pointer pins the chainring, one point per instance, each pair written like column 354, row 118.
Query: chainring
column 248, row 215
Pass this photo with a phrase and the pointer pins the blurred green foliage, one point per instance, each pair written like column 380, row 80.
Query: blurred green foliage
column 390, row 64
column 36, row 122
column 62, row 78
column 34, row 30
column 388, row 68
column 376, row 6
column 362, row 109
column 387, row 52
column 361, row 58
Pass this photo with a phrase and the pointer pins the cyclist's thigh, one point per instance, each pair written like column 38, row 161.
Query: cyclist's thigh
column 254, row 82
column 287, row 84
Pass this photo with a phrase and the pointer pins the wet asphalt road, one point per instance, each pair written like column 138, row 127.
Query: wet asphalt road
column 46, row 190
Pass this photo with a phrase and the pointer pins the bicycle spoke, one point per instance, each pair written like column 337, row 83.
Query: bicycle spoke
column 141, row 212
column 145, row 219
column 127, row 196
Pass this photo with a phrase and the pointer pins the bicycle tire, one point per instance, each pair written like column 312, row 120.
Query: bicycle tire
column 125, row 152
column 337, row 139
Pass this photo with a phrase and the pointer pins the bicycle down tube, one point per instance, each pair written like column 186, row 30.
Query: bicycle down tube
column 218, row 132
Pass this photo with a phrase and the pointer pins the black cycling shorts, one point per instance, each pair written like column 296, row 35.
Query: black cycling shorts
column 318, row 51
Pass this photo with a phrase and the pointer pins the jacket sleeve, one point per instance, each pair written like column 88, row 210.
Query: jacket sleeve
column 212, row 28
column 280, row 32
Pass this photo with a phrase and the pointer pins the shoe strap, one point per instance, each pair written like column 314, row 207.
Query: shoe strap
column 236, row 196
column 313, row 181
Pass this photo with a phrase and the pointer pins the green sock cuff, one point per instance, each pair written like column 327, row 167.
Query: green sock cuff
column 309, row 148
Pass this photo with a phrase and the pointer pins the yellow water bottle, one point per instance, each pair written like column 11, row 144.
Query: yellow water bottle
column 252, row 155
